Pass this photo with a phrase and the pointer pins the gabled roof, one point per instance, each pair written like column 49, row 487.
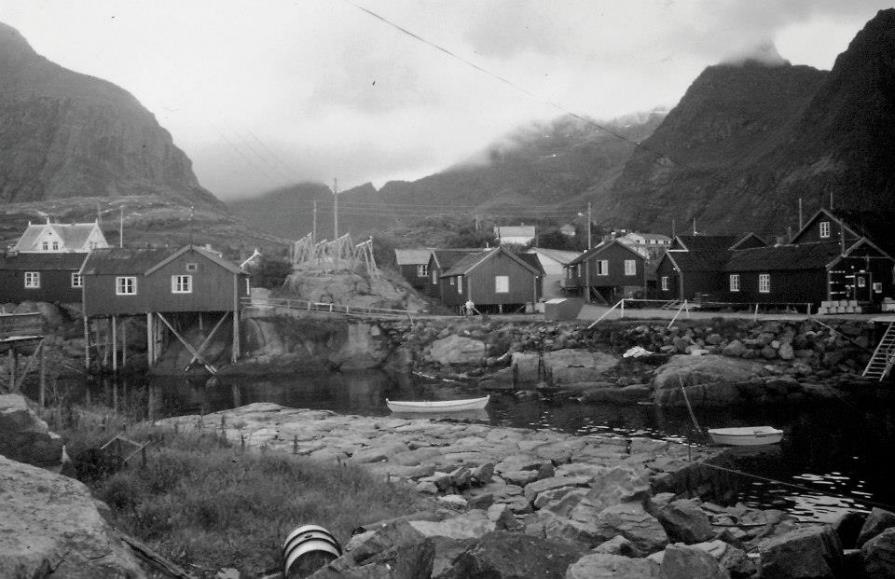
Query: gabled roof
column 71, row 235
column 783, row 257
column 412, row 256
column 603, row 246
column 446, row 258
column 124, row 260
column 208, row 254
column 474, row 260
column 558, row 255
column 42, row 261
column 704, row 242
column 532, row 260
column 748, row 241
column 698, row 261
column 825, row 212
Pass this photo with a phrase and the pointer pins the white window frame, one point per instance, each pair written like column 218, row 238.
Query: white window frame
column 824, row 229
column 55, row 246
column 734, row 282
column 877, row 287
column 578, row 272
column 602, row 267
column 501, row 284
column 630, row 267
column 434, row 277
column 77, row 280
column 192, row 266
column 182, row 284
column 764, row 283
column 126, row 285
column 664, row 283
column 32, row 280
column 422, row 270
column 45, row 246
column 459, row 284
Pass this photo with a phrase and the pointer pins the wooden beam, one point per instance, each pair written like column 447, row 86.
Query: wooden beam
column 207, row 340
column 17, row 385
column 115, row 344
column 150, row 346
column 187, row 345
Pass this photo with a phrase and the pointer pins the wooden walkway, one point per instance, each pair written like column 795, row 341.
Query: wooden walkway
column 297, row 307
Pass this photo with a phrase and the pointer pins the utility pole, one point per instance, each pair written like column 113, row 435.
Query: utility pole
column 800, row 213
column 335, row 209
column 121, row 227
column 314, row 234
column 587, row 259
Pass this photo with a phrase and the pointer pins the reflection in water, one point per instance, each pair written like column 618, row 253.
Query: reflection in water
column 836, row 455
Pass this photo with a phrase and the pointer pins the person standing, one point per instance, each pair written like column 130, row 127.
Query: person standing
column 470, row 308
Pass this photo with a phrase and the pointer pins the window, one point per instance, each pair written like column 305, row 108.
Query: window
column 45, row 246
column 192, row 267
column 459, row 284
column 764, row 283
column 862, row 281
column 602, row 267
column 55, row 246
column 630, row 267
column 452, row 282
column 502, row 284
column 578, row 271
column 181, row 284
column 77, row 280
column 126, row 286
column 734, row 282
column 434, row 277
column 824, row 229
column 877, row 287
column 422, row 270
column 32, row 279
column 664, row 283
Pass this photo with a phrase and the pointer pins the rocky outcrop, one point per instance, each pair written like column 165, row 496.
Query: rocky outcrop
column 51, row 527
column 24, row 437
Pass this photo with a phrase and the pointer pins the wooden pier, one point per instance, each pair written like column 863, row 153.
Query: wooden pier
column 22, row 334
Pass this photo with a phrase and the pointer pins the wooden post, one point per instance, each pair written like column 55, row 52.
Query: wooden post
column 124, row 344
column 86, row 342
column 234, row 356
column 43, row 378
column 12, row 366
column 150, row 342
column 115, row 344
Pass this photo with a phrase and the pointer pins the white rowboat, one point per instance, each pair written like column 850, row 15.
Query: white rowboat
column 746, row 435
column 437, row 405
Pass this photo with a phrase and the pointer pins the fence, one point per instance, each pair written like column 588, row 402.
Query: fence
column 295, row 306
column 686, row 308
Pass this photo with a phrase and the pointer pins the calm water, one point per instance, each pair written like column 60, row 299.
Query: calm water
column 837, row 454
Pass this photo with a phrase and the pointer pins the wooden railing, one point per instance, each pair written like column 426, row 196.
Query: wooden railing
column 293, row 306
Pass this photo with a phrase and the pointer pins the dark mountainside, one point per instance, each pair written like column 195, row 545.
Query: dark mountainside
column 64, row 134
column 540, row 168
column 748, row 141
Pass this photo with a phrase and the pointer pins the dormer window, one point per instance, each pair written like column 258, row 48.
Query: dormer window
column 55, row 246
column 45, row 246
column 824, row 229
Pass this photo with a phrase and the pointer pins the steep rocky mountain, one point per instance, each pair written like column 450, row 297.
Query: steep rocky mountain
column 747, row 142
column 545, row 168
column 65, row 135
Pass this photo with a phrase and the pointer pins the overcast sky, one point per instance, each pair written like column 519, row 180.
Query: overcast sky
column 261, row 93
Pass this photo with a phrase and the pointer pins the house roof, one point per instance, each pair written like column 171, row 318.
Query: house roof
column 532, row 260
column 823, row 211
column 705, row 242
column 698, row 261
column 748, row 238
column 603, row 246
column 412, row 256
column 783, row 257
column 446, row 258
column 42, row 261
column 207, row 253
column 473, row 260
column 558, row 255
column 71, row 235
column 126, row 260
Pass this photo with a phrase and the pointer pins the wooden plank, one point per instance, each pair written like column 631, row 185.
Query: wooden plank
column 207, row 340
column 187, row 345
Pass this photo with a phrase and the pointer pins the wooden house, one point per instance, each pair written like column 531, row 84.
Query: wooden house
column 826, row 227
column 414, row 266
column 41, row 277
column 163, row 284
column 686, row 275
column 608, row 272
column 440, row 261
column 61, row 238
column 553, row 262
column 496, row 280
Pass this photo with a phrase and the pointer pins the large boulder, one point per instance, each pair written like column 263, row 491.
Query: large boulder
column 606, row 566
column 24, row 436
column 505, row 555
column 684, row 562
column 710, row 380
column 456, row 350
column 526, row 367
column 570, row 366
column 50, row 524
column 877, row 521
column 878, row 555
column 810, row 552
column 684, row 521
column 631, row 521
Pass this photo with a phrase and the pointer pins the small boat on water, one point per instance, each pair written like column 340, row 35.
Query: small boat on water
column 746, row 435
column 437, row 405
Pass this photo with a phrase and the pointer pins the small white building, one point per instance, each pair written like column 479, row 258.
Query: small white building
column 514, row 234
column 649, row 245
column 553, row 261
column 61, row 238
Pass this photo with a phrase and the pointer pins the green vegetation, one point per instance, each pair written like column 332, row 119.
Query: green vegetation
column 207, row 504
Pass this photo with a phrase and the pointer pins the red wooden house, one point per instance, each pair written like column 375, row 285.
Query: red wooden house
column 496, row 280
column 440, row 261
column 41, row 277
column 414, row 266
column 610, row 271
